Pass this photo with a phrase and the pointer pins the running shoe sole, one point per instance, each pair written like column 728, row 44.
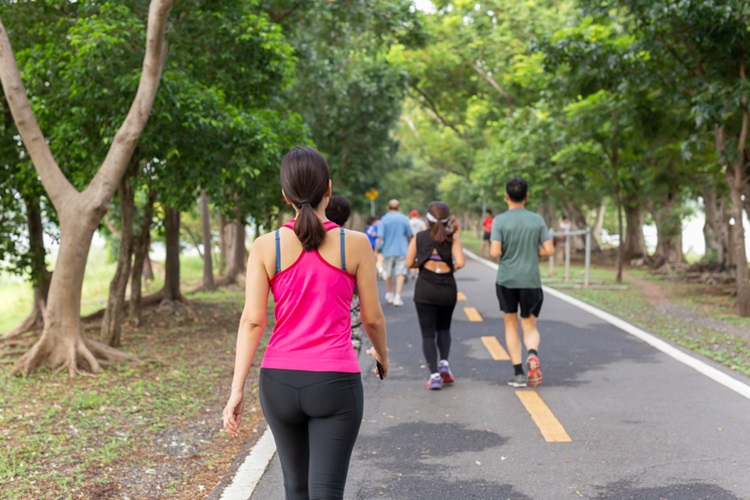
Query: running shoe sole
column 535, row 374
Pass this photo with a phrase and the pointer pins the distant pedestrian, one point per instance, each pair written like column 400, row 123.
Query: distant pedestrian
column 417, row 225
column 338, row 211
column 486, row 228
column 519, row 237
column 394, row 231
column 310, row 386
column 372, row 233
column 437, row 254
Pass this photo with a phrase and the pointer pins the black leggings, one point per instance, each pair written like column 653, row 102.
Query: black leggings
column 435, row 323
column 315, row 419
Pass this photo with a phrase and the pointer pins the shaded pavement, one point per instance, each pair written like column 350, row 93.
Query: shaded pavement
column 640, row 424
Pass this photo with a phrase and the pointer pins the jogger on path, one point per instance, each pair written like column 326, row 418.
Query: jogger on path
column 437, row 253
column 519, row 237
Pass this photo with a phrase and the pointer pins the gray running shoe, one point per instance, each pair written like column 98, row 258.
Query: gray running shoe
column 518, row 381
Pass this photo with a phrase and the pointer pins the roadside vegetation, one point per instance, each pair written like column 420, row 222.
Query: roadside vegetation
column 146, row 428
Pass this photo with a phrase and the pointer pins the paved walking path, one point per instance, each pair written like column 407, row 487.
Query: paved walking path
column 616, row 417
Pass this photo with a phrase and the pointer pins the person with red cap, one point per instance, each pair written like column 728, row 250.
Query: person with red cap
column 417, row 225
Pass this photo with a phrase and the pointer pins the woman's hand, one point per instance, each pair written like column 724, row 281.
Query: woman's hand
column 233, row 412
column 383, row 360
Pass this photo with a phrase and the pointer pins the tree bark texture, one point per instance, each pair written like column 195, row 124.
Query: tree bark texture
column 208, row 267
column 716, row 230
column 62, row 344
column 635, row 243
column 141, row 245
column 222, row 245
column 669, row 231
column 172, row 265
column 578, row 221
column 598, row 226
column 237, row 252
column 112, row 321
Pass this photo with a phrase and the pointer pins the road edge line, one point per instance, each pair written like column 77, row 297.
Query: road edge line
column 249, row 473
column 702, row 367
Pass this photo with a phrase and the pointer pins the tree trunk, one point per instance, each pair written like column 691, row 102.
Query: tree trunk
column 620, row 253
column 740, row 255
column 208, row 267
column 141, row 246
column 172, row 266
column 578, row 221
column 669, row 231
column 716, row 230
column 62, row 344
column 222, row 245
column 112, row 320
column 635, row 243
column 40, row 276
column 596, row 233
column 237, row 252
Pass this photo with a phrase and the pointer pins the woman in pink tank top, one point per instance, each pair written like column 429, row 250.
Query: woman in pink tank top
column 310, row 384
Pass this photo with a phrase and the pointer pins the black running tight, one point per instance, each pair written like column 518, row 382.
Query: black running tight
column 435, row 323
column 315, row 419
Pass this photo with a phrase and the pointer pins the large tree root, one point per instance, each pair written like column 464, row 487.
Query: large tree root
column 76, row 356
column 32, row 321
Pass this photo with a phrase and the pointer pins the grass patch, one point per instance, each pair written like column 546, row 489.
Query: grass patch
column 16, row 295
column 141, row 429
column 695, row 316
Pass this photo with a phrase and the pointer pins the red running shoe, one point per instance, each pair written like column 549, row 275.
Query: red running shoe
column 445, row 372
column 535, row 374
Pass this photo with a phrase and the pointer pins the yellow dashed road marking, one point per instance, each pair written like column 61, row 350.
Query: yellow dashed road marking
column 472, row 314
column 496, row 350
column 551, row 428
column 461, row 296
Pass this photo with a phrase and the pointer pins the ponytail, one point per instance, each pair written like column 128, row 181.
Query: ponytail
column 438, row 217
column 308, row 227
column 305, row 179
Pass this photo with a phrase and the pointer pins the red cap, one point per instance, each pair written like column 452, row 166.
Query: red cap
column 414, row 213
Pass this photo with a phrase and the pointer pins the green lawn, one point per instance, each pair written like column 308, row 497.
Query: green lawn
column 16, row 295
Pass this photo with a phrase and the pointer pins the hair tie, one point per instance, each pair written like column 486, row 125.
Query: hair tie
column 305, row 202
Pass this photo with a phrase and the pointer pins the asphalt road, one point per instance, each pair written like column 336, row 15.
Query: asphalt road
column 641, row 425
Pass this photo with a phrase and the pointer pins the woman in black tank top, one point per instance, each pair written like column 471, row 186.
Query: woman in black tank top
column 437, row 253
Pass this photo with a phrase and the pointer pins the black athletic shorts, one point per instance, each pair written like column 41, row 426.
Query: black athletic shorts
column 486, row 236
column 530, row 300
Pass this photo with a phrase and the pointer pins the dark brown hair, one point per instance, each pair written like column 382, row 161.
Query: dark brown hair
column 440, row 231
column 304, row 179
column 338, row 210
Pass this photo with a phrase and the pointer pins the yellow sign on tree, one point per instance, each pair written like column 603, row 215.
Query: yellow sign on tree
column 372, row 193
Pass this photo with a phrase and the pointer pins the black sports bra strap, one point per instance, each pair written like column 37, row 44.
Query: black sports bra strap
column 343, row 251
column 278, row 253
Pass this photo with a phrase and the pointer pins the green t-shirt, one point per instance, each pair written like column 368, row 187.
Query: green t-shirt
column 521, row 232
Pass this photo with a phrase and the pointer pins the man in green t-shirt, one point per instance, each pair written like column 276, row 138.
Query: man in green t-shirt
column 519, row 237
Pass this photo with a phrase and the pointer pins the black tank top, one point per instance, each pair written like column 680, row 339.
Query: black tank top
column 425, row 246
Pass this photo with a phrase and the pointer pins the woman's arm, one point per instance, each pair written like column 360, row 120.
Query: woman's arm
column 411, row 253
column 459, row 259
column 367, row 287
column 252, row 326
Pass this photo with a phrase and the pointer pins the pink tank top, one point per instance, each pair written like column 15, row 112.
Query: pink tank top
column 313, row 325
